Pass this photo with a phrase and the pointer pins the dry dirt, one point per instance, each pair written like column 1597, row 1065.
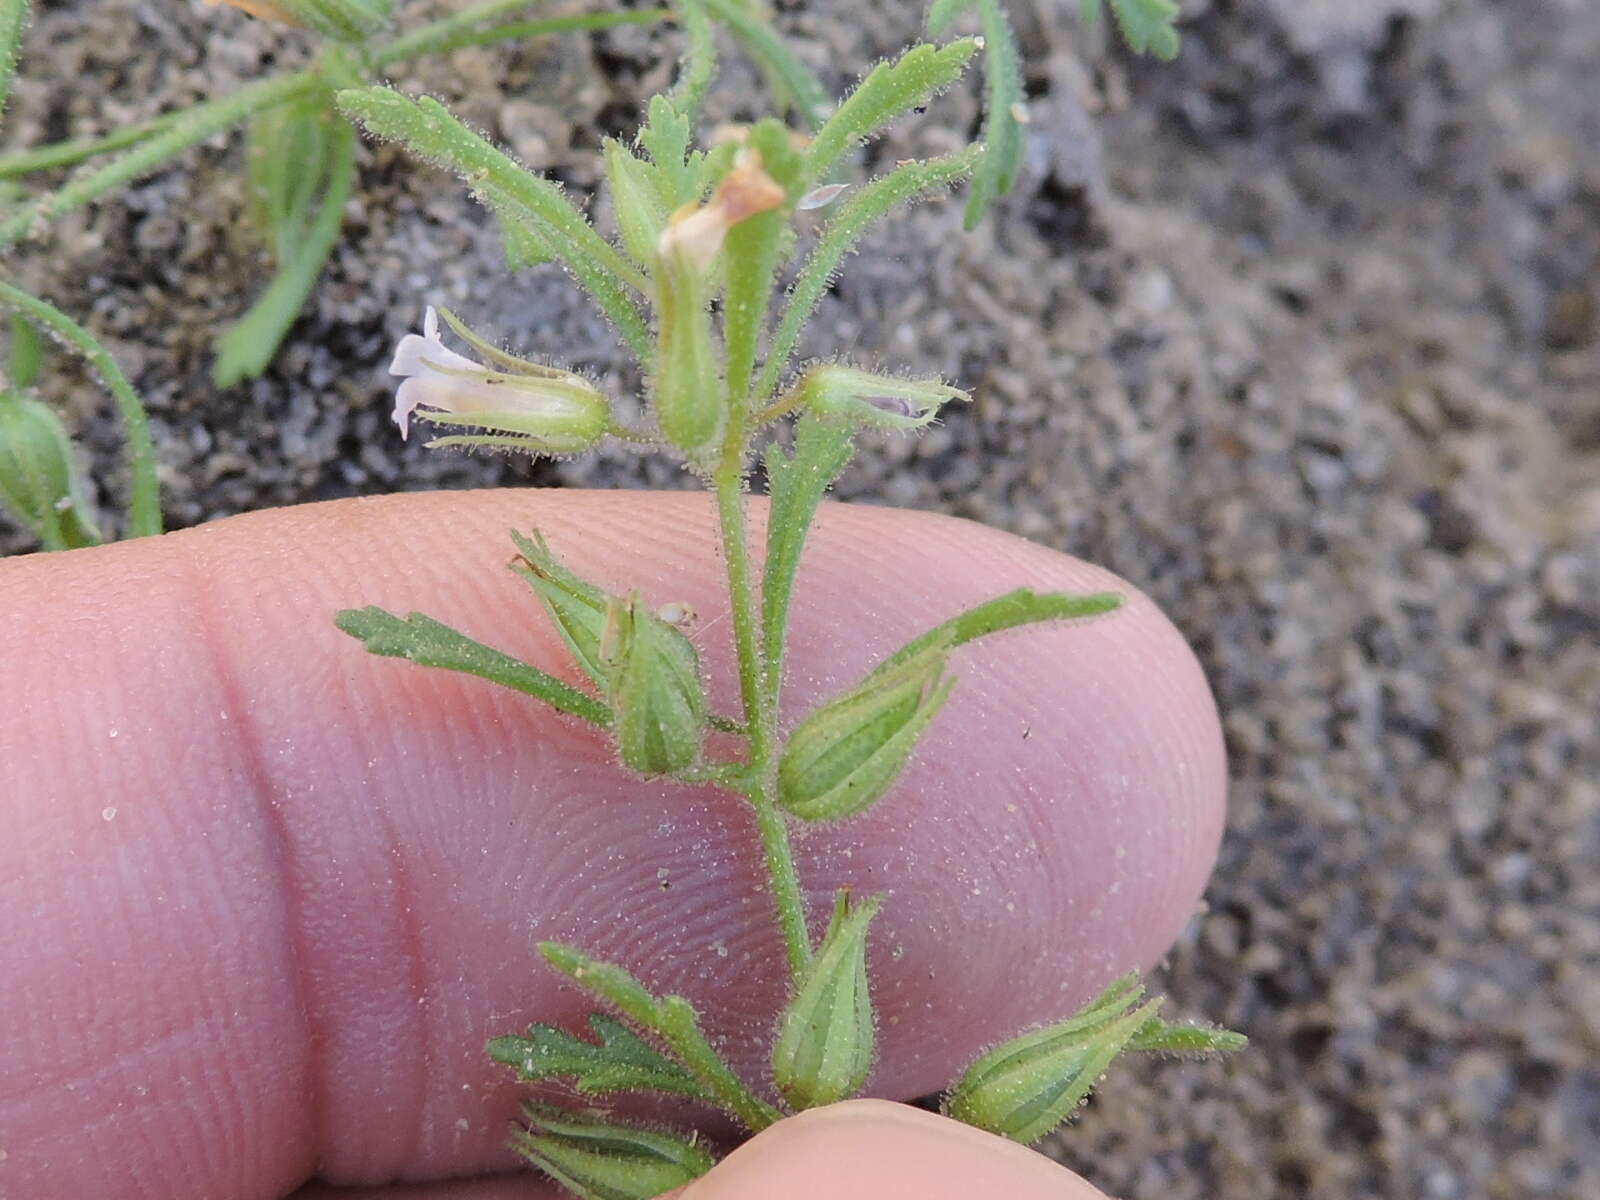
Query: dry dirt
column 1298, row 333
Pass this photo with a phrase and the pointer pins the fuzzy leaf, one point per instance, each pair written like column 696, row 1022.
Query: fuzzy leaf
column 856, row 215
column 1159, row 1035
column 786, row 74
column 665, row 138
column 1146, row 25
column 635, row 200
column 427, row 129
column 13, row 14
column 1002, row 134
column 700, row 64
column 673, row 1019
column 620, row 1062
column 429, row 643
column 796, row 483
column 890, row 90
column 27, row 352
column 1021, row 607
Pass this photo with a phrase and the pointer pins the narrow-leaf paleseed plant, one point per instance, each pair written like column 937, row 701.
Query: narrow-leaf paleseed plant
column 706, row 235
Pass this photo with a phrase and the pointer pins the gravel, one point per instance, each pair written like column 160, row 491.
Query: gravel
column 1298, row 333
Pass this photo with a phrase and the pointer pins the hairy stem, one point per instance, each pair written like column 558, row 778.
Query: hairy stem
column 787, row 898
column 424, row 39
column 65, row 154
column 526, row 29
column 197, row 124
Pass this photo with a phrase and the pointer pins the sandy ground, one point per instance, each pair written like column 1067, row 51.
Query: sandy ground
column 1298, row 333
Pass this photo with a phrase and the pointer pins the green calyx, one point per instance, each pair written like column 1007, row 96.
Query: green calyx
column 869, row 400
column 606, row 1160
column 826, row 1037
column 39, row 482
column 653, row 681
column 847, row 754
column 1025, row 1088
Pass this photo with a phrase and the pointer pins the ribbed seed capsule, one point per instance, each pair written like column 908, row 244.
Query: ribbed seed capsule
column 847, row 753
column 826, row 1038
column 1025, row 1088
column 653, row 682
column 600, row 1160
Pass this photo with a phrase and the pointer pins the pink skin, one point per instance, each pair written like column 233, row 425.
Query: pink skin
column 321, row 884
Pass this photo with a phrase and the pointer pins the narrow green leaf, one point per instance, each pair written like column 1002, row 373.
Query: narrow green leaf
column 858, row 214
column 1002, row 133
column 343, row 20
column 1021, row 607
column 27, row 352
column 942, row 14
column 196, row 124
column 673, row 1019
column 1148, row 26
column 1164, row 1036
column 13, row 15
column 700, row 64
column 889, row 91
column 429, row 643
column 796, row 483
column 428, row 129
column 619, row 1062
column 665, row 138
column 636, row 201
column 306, row 231
column 788, row 76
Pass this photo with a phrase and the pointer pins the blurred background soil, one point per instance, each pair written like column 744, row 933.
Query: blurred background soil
column 1300, row 334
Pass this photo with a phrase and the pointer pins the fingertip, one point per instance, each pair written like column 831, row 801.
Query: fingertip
column 875, row 1150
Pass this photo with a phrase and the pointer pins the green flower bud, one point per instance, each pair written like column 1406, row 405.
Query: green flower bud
column 653, row 681
column 601, row 1160
column 825, row 1041
column 871, row 401
column 39, row 482
column 689, row 403
column 847, row 753
column 1025, row 1088
column 577, row 607
column 690, row 406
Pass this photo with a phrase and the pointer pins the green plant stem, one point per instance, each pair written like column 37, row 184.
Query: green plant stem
column 144, row 498
column 435, row 38
column 13, row 15
column 787, row 898
column 574, row 24
column 64, row 154
column 195, row 125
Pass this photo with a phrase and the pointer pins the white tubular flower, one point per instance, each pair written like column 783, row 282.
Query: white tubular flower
column 525, row 406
